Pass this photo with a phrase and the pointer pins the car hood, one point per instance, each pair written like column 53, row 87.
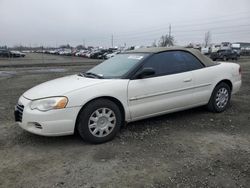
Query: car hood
column 60, row 86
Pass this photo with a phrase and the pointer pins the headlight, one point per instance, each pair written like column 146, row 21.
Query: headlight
column 49, row 103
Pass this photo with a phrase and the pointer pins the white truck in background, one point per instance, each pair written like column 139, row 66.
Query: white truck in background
column 236, row 47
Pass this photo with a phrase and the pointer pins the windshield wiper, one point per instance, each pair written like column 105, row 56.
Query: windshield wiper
column 90, row 75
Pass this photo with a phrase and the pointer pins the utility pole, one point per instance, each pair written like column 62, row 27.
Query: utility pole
column 42, row 54
column 169, row 34
column 83, row 41
column 112, row 40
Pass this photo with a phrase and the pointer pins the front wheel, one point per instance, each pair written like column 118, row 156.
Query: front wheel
column 99, row 121
column 220, row 98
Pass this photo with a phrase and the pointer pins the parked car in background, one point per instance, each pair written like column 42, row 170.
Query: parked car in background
column 130, row 86
column 90, row 52
column 224, row 55
column 98, row 54
column 80, row 53
column 205, row 50
column 215, row 48
column 66, row 52
column 17, row 54
column 8, row 53
column 5, row 53
column 111, row 54
column 52, row 52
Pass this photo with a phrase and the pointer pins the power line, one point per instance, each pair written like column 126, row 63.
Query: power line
column 214, row 30
column 189, row 24
column 165, row 28
column 157, row 30
column 169, row 34
column 187, row 27
column 187, row 36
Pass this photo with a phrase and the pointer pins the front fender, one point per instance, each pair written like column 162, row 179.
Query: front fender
column 115, row 88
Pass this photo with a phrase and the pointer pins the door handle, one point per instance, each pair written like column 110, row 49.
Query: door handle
column 187, row 80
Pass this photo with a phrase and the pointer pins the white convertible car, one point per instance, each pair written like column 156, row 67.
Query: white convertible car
column 130, row 86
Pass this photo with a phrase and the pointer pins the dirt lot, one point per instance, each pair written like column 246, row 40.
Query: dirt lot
column 193, row 148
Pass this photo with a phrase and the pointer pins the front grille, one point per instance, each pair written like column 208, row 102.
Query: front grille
column 19, row 113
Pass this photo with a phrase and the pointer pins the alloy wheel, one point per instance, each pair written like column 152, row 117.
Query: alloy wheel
column 222, row 97
column 102, row 122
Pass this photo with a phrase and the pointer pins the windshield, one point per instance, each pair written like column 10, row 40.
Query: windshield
column 117, row 66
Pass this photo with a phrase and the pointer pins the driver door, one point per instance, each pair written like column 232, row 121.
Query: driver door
column 168, row 89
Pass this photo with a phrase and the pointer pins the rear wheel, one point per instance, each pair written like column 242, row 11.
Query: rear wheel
column 99, row 121
column 220, row 98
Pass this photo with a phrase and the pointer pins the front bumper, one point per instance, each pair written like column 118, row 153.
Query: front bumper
column 51, row 123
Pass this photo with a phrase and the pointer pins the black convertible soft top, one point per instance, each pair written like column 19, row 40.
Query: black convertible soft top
column 204, row 59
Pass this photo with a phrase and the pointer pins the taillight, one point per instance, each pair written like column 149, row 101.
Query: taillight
column 240, row 70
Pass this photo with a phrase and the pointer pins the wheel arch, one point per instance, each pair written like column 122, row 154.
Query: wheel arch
column 227, row 81
column 113, row 99
column 210, row 105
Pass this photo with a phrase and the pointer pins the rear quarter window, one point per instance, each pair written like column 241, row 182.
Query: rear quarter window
column 193, row 63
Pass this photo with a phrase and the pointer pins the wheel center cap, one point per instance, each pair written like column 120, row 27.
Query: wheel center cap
column 222, row 98
column 102, row 122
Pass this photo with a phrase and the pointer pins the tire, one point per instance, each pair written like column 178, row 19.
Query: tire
column 99, row 121
column 220, row 98
column 224, row 58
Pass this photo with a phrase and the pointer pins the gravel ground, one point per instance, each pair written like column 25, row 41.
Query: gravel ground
column 192, row 148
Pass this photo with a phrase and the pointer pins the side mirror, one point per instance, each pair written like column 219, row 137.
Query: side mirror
column 147, row 71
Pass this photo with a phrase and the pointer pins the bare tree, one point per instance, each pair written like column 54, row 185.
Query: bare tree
column 65, row 46
column 207, row 38
column 166, row 40
column 80, row 47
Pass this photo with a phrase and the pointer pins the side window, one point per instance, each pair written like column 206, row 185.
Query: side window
column 192, row 62
column 166, row 63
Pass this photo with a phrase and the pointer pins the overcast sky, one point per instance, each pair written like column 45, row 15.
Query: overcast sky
column 134, row 22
